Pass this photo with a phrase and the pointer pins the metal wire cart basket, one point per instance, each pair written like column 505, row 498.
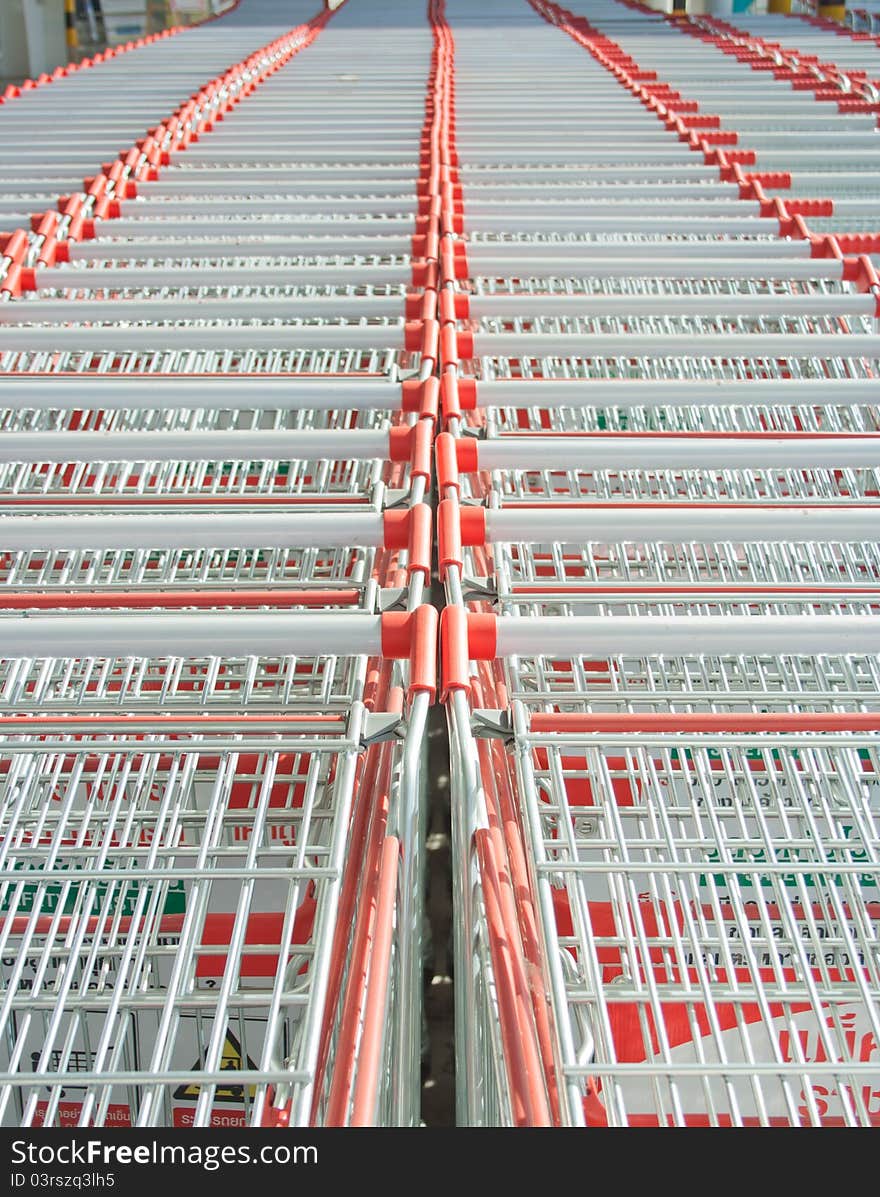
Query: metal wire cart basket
column 216, row 661
column 362, row 313
column 658, row 538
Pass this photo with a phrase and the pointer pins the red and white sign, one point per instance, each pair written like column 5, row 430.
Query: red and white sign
column 69, row 1113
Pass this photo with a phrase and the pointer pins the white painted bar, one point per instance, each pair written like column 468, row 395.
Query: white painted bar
column 635, row 253
column 691, row 523
column 231, row 274
column 245, row 307
column 221, row 392
column 684, row 451
column 226, row 530
column 578, row 264
column 599, row 636
column 678, row 345
column 672, row 392
column 706, row 306
column 224, row 245
column 190, row 634
column 156, row 339
column 223, row 226
column 265, row 444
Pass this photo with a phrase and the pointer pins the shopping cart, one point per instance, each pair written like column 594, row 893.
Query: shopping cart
column 178, row 794
column 656, row 534
column 218, row 407
column 765, row 88
column 706, row 879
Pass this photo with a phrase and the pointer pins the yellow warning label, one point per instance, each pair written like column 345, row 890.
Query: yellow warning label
column 230, row 1061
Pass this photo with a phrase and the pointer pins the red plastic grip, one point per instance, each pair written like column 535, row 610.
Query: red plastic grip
column 449, row 396
column 395, row 529
column 467, row 455
column 399, row 443
column 412, row 444
column 106, row 208
column 96, row 186
column 482, row 637
column 862, row 272
column 396, row 634
column 827, row 246
column 80, row 228
column 18, row 277
column 452, row 306
column 859, row 243
column 15, row 245
column 419, row 541
column 743, row 157
column 454, row 671
column 448, row 346
column 411, row 530
column 723, row 137
column 473, row 526
column 423, row 652
column 810, row 207
column 467, row 394
column 451, row 222
column 448, row 536
column 425, row 274
column 447, row 462
column 453, row 261
column 421, row 397
column 44, row 224
column 430, row 408
column 776, row 180
column 700, row 120
column 790, row 214
column 421, row 443
column 426, row 245
column 411, row 395
column 413, row 634
column 428, row 310
column 448, row 269
column 430, row 340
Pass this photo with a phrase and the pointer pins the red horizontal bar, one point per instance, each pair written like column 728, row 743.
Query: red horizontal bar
column 167, row 924
column 179, row 500
column 678, row 435
column 262, row 930
column 193, row 720
column 653, row 505
column 664, row 721
column 208, row 374
column 629, row 592
column 206, row 762
column 173, row 600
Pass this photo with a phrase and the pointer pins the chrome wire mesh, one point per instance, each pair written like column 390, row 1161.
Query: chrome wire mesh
column 700, row 900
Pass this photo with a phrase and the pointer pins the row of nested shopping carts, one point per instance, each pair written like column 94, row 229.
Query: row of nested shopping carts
column 216, row 660
column 653, row 351
column 658, row 537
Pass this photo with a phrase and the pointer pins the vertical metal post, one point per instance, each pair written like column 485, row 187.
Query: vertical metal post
column 70, row 31
column 832, row 12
